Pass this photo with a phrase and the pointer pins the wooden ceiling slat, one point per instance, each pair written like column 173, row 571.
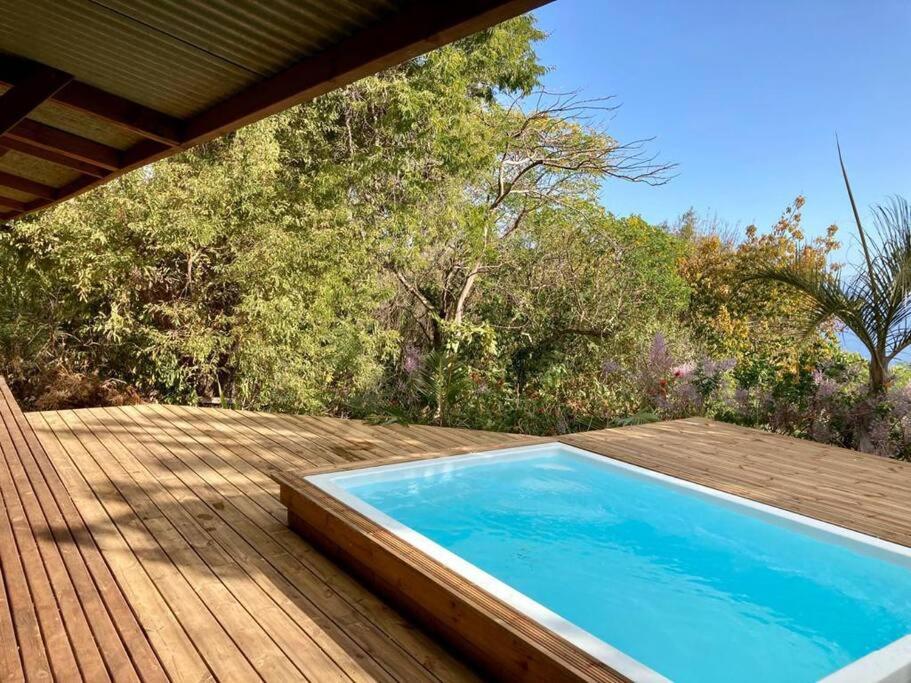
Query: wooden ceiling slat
column 28, row 186
column 121, row 112
column 100, row 104
column 53, row 157
column 67, row 144
column 23, row 98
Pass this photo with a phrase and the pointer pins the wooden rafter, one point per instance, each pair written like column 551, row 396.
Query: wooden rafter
column 420, row 27
column 30, row 137
column 53, row 157
column 7, row 203
column 103, row 105
column 67, row 144
column 15, row 182
column 23, row 98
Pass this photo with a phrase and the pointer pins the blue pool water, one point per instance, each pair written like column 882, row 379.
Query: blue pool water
column 695, row 589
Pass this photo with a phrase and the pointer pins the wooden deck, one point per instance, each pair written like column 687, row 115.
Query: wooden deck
column 182, row 506
column 149, row 542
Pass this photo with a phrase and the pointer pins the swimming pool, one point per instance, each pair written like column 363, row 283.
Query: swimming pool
column 654, row 576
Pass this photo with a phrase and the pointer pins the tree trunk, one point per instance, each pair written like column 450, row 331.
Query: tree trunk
column 438, row 339
column 879, row 376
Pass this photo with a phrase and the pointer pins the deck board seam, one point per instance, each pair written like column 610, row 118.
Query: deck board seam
column 54, row 625
column 279, row 518
column 74, row 615
column 224, row 550
column 251, row 521
column 94, row 494
column 93, row 453
column 98, row 611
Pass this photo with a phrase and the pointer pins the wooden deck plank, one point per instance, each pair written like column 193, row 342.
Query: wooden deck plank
column 109, row 617
column 193, row 594
column 52, row 540
column 346, row 602
column 124, row 646
column 25, row 540
column 168, row 483
column 105, row 639
column 171, row 644
column 221, row 655
column 27, row 645
column 180, row 505
column 10, row 662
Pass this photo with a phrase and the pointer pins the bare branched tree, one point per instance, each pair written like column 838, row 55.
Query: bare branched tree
column 551, row 152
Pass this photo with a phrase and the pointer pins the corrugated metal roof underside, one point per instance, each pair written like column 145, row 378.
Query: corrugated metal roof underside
column 179, row 56
column 31, row 168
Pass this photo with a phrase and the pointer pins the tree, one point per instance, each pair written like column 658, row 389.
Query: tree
column 757, row 323
column 875, row 301
column 543, row 164
column 583, row 286
column 195, row 279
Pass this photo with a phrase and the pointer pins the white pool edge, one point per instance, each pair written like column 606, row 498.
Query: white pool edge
column 890, row 664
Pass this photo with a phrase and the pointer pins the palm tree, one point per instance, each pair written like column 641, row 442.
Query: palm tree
column 874, row 302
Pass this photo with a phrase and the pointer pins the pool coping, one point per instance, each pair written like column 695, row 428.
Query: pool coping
column 560, row 641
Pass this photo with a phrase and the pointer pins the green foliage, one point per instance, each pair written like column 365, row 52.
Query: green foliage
column 197, row 279
column 763, row 318
column 426, row 245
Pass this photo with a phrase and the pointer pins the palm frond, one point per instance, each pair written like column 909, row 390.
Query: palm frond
column 825, row 292
column 893, row 223
column 860, row 226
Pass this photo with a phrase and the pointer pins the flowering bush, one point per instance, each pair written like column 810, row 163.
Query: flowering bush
column 818, row 396
column 826, row 401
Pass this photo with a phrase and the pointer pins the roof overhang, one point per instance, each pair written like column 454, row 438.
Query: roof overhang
column 92, row 89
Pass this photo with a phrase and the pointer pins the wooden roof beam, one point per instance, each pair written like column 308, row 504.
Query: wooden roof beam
column 101, row 104
column 26, row 96
column 15, row 204
column 121, row 112
column 53, row 157
column 32, row 187
column 67, row 144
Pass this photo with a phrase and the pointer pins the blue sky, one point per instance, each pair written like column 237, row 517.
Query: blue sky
column 747, row 98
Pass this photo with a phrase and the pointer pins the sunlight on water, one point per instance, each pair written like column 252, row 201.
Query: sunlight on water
column 692, row 589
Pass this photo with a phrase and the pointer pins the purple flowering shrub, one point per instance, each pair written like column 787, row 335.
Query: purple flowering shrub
column 825, row 401
column 819, row 396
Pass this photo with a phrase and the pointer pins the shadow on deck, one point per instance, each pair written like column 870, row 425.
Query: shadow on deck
column 149, row 542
